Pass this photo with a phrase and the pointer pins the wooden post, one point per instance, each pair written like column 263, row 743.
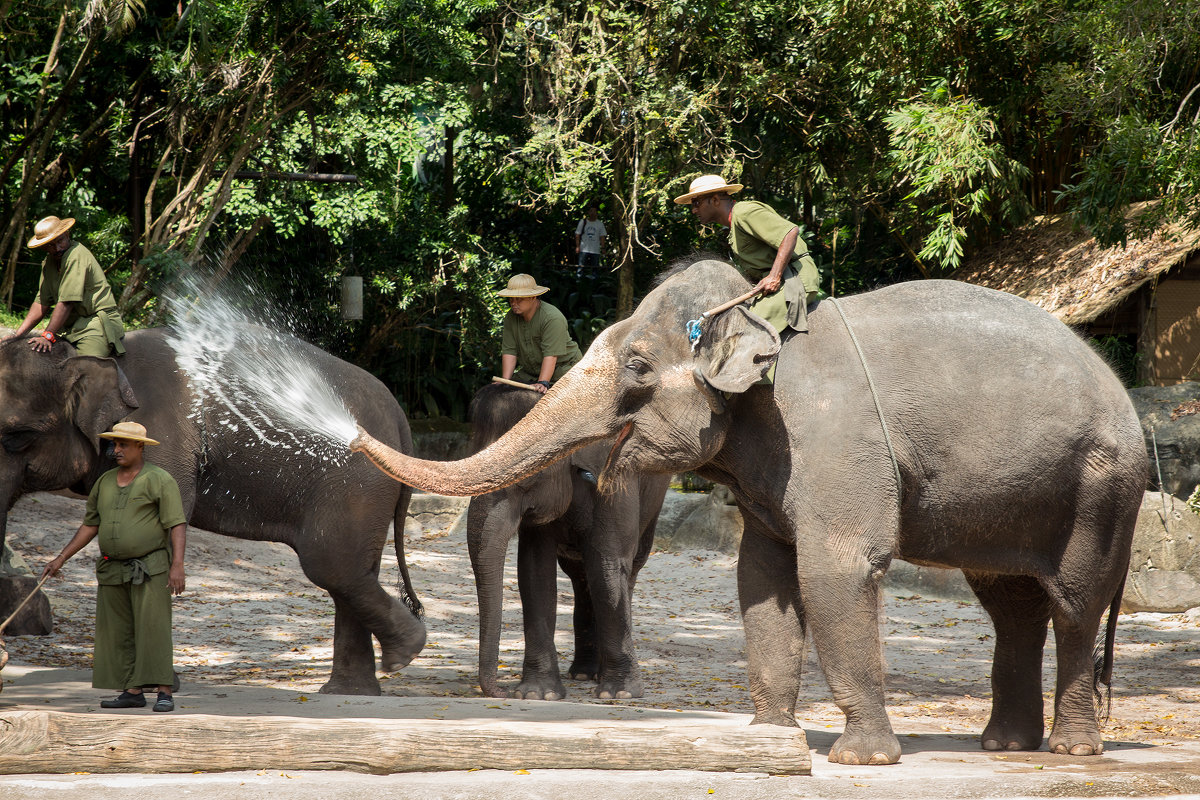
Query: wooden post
column 60, row 742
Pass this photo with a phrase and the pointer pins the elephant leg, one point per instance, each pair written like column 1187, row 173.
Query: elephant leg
column 839, row 588
column 608, row 556
column 363, row 608
column 1020, row 611
column 586, row 664
column 774, row 623
column 1090, row 573
column 537, row 579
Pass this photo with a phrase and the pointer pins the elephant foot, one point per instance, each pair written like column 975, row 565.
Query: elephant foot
column 620, row 690
column 785, row 719
column 862, row 749
column 397, row 657
column 349, row 686
column 493, row 690
column 1076, row 745
column 1002, row 735
column 584, row 669
column 541, row 689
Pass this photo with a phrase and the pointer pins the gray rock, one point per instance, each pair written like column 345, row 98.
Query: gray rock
column 16, row 582
column 1177, row 441
column 1164, row 568
column 945, row 584
column 435, row 512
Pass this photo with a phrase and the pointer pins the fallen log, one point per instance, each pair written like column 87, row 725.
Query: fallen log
column 60, row 742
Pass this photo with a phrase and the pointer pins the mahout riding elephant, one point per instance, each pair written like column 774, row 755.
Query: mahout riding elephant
column 601, row 542
column 1018, row 459
column 334, row 515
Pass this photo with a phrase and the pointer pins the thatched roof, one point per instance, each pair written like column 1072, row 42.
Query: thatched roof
column 1061, row 269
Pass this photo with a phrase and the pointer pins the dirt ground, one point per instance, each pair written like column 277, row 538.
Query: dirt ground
column 249, row 617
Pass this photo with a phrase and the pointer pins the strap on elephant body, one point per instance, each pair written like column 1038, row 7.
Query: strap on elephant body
column 887, row 437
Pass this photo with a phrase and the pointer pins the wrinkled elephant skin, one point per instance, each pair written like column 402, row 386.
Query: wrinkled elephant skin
column 1020, row 462
column 601, row 541
column 52, row 408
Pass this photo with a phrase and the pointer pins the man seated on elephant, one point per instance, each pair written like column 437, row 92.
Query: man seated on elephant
column 76, row 294
column 137, row 512
column 537, row 347
column 767, row 249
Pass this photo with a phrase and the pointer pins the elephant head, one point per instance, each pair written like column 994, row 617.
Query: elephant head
column 642, row 382
column 53, row 407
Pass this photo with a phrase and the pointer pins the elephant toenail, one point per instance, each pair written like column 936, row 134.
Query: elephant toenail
column 879, row 758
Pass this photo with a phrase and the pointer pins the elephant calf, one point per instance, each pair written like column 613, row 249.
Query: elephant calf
column 600, row 540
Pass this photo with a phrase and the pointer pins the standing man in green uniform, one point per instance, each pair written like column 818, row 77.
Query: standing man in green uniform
column 766, row 247
column 537, row 348
column 75, row 292
column 137, row 512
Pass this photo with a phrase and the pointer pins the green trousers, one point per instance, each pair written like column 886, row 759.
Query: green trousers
column 133, row 635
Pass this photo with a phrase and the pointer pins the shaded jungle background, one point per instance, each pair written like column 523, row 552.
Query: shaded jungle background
column 434, row 148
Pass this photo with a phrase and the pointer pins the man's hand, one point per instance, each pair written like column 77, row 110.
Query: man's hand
column 41, row 343
column 176, row 581
column 769, row 284
column 541, row 386
column 53, row 567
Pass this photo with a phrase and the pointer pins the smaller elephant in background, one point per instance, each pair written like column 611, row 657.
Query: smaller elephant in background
column 600, row 540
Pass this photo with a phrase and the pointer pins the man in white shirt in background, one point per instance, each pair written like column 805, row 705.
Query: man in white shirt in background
column 589, row 239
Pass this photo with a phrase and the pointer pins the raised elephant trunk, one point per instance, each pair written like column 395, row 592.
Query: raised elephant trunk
column 569, row 417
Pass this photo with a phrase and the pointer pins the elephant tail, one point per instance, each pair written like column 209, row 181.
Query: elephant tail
column 1102, row 659
column 407, row 594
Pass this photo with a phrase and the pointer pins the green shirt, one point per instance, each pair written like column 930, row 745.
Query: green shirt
column 134, row 520
column 544, row 335
column 76, row 277
column 755, row 233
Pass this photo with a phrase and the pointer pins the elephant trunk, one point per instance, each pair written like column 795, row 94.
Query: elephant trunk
column 491, row 523
column 569, row 417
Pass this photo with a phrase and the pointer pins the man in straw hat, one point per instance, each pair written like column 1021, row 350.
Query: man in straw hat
column 766, row 247
column 536, row 347
column 137, row 513
column 76, row 294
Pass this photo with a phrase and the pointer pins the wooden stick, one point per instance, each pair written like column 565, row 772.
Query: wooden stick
column 28, row 597
column 726, row 306
column 507, row 382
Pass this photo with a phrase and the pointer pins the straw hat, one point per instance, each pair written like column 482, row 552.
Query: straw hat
column 48, row 229
column 522, row 286
column 129, row 431
column 707, row 184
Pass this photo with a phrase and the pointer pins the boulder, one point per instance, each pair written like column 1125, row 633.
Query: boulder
column 699, row 521
column 16, row 582
column 1177, row 441
column 1164, row 569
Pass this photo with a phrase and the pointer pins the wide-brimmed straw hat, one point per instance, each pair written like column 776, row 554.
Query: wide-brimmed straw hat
column 48, row 229
column 522, row 286
column 129, row 431
column 707, row 184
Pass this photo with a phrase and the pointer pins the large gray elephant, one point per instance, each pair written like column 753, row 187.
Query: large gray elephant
column 1018, row 459
column 335, row 516
column 600, row 541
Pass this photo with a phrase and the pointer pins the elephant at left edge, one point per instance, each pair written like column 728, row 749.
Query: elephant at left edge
column 601, row 541
column 335, row 515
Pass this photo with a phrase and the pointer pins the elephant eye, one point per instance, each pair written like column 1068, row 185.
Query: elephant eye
column 15, row 441
column 638, row 366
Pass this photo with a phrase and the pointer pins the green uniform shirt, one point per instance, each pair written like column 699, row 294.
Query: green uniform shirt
column 755, row 233
column 76, row 277
column 134, row 520
column 544, row 335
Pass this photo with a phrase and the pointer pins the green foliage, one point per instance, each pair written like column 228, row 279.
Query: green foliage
column 1121, row 354
column 945, row 148
column 1193, row 501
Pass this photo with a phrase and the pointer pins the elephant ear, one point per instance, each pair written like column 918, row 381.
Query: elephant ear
column 98, row 394
column 735, row 352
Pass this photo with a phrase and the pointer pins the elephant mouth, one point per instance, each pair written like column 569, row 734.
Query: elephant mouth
column 606, row 481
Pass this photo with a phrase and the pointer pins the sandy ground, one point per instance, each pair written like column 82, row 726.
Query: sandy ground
column 250, row 618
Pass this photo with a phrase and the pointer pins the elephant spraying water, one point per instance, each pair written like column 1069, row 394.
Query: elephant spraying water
column 988, row 438
column 240, row 472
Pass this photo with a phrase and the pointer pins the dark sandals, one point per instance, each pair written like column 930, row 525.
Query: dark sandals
column 164, row 702
column 125, row 700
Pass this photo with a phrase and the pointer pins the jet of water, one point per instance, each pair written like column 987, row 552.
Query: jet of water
column 254, row 376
